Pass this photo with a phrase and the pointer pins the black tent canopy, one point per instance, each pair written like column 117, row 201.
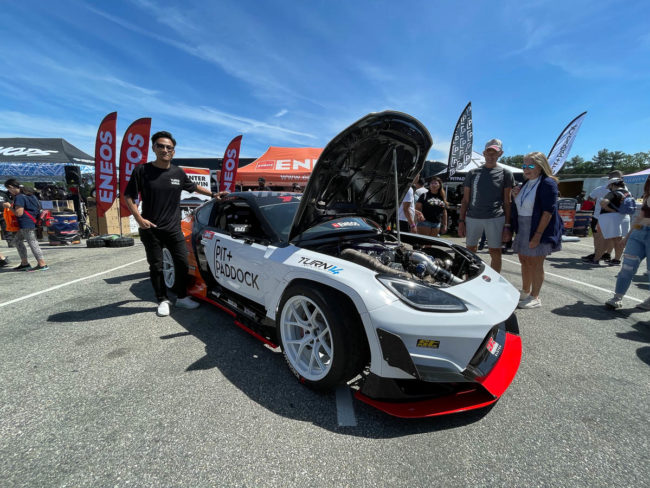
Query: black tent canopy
column 32, row 157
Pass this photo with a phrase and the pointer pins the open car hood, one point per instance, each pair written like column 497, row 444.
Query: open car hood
column 354, row 175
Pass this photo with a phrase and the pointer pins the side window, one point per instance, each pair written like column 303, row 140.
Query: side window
column 239, row 214
column 203, row 214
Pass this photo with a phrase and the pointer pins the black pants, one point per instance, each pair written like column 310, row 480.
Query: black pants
column 154, row 240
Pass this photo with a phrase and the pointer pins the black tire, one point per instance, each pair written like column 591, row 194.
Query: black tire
column 338, row 347
column 120, row 242
column 95, row 242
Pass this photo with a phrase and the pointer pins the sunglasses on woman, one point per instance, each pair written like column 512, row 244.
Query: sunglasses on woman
column 529, row 166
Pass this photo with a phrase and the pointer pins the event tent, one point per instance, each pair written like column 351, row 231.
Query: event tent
column 638, row 177
column 280, row 166
column 476, row 162
column 27, row 158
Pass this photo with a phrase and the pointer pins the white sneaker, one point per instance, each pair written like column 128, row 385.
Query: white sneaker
column 186, row 302
column 163, row 308
column 530, row 302
column 614, row 302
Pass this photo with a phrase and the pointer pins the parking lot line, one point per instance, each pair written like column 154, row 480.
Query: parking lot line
column 577, row 281
column 344, row 407
column 47, row 290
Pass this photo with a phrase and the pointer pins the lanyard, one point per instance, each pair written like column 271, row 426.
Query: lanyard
column 530, row 190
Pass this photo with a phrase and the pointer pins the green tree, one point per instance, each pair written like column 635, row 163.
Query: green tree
column 516, row 161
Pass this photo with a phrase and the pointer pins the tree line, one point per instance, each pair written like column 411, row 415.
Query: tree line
column 602, row 163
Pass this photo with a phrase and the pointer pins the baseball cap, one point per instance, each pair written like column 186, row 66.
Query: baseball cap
column 494, row 144
column 261, row 180
column 614, row 174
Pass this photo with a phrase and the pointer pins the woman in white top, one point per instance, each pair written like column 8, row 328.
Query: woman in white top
column 613, row 225
column 537, row 226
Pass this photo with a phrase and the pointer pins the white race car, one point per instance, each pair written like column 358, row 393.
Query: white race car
column 417, row 325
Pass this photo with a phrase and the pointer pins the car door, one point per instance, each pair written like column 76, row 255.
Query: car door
column 235, row 248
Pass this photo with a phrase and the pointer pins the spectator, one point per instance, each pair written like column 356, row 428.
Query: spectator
column 261, row 185
column 160, row 184
column 420, row 189
column 537, row 226
column 613, row 225
column 486, row 204
column 296, row 187
column 26, row 209
column 637, row 249
column 408, row 216
column 599, row 243
column 433, row 205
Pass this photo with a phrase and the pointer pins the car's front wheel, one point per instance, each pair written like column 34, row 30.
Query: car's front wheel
column 321, row 343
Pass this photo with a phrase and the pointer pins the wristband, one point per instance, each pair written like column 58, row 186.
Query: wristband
column 461, row 221
column 506, row 225
column 540, row 233
column 413, row 225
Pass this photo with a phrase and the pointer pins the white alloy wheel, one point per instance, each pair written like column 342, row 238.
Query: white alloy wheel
column 169, row 274
column 306, row 338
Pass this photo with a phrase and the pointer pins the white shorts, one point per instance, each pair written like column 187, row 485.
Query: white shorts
column 493, row 229
column 614, row 224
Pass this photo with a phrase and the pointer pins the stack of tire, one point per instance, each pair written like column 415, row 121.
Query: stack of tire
column 110, row 240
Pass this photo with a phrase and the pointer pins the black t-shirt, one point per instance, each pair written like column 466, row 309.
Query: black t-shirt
column 160, row 190
column 432, row 207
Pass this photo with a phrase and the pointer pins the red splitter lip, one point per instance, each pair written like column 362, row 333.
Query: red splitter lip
column 486, row 391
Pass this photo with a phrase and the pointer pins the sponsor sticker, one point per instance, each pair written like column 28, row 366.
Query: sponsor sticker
column 428, row 343
column 343, row 225
column 317, row 264
column 493, row 346
column 486, row 278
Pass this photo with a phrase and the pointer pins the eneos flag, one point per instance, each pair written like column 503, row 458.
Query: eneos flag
column 105, row 170
column 229, row 165
column 134, row 151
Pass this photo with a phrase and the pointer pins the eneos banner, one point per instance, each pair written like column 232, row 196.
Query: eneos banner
column 229, row 165
column 134, row 151
column 105, row 170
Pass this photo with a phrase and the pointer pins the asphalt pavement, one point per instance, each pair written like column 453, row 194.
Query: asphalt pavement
column 99, row 391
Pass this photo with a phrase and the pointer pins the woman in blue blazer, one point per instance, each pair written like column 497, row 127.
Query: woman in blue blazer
column 536, row 224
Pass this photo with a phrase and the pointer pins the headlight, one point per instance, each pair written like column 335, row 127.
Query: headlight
column 422, row 297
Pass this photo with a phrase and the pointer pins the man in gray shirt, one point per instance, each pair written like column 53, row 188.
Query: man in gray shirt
column 486, row 204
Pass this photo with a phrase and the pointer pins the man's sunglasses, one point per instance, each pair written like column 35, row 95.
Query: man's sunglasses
column 164, row 146
column 529, row 166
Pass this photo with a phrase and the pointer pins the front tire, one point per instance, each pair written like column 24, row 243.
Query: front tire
column 321, row 343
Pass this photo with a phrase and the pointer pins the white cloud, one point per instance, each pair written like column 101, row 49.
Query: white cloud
column 282, row 112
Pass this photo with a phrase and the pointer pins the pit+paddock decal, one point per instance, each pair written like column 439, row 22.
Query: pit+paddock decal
column 222, row 267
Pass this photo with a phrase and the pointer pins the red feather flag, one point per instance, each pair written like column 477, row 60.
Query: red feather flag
column 105, row 169
column 134, row 151
column 229, row 165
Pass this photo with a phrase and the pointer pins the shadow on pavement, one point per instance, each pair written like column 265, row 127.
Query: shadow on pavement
column 262, row 374
column 641, row 333
column 142, row 291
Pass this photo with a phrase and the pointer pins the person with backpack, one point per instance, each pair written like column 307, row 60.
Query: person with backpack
column 636, row 250
column 26, row 208
column 614, row 220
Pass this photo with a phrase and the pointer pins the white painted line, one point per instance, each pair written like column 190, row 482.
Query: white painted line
column 4, row 304
column 344, row 407
column 611, row 292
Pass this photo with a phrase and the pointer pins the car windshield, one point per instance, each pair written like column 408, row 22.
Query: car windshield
column 280, row 217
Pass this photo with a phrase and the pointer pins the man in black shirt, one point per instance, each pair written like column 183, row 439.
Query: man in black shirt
column 261, row 185
column 159, row 184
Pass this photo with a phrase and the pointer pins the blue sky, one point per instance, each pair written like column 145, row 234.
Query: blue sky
column 295, row 73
